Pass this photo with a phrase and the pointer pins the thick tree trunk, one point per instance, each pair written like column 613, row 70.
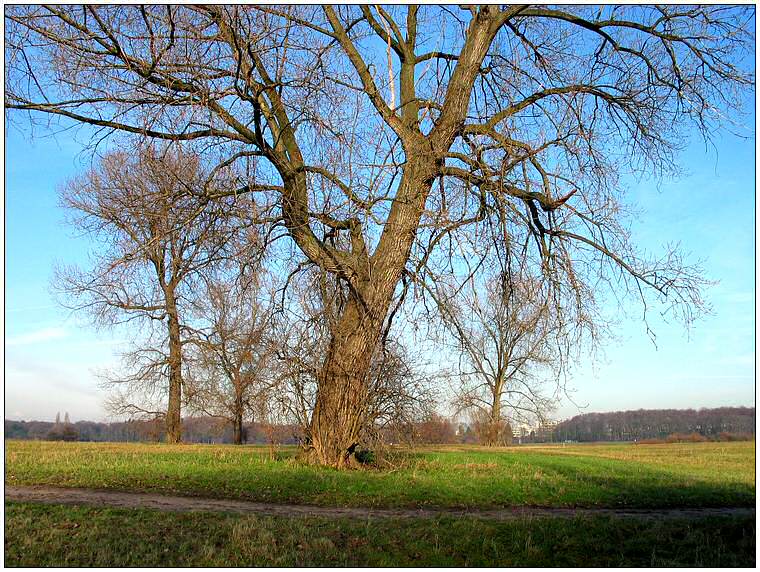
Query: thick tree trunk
column 493, row 431
column 237, row 429
column 174, row 407
column 237, row 421
column 340, row 409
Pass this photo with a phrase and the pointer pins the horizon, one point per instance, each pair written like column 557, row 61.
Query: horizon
column 549, row 419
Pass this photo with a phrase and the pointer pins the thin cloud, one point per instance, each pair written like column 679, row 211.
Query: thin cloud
column 36, row 337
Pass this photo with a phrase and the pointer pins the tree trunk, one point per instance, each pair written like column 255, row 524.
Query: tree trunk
column 237, row 429
column 174, row 407
column 493, row 431
column 237, row 421
column 341, row 405
column 339, row 412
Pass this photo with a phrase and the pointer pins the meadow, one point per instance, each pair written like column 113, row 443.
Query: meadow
column 614, row 476
column 625, row 475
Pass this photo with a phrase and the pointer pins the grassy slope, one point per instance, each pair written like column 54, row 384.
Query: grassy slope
column 39, row 535
column 700, row 474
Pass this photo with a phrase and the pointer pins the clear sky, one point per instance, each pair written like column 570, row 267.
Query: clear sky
column 710, row 211
column 50, row 357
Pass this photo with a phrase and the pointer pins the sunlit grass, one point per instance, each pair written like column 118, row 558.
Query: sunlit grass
column 698, row 474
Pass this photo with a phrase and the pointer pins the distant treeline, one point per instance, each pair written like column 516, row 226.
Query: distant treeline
column 195, row 430
column 636, row 425
column 655, row 424
column 434, row 429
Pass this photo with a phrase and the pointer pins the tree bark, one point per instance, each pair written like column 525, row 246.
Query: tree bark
column 493, row 432
column 340, row 410
column 237, row 429
column 237, row 421
column 174, row 407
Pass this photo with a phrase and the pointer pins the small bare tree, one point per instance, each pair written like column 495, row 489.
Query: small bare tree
column 232, row 374
column 153, row 238
column 508, row 335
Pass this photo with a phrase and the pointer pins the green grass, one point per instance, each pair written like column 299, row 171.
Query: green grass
column 40, row 535
column 674, row 475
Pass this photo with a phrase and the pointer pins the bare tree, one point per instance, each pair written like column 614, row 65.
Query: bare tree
column 232, row 373
column 403, row 129
column 512, row 349
column 434, row 429
column 153, row 238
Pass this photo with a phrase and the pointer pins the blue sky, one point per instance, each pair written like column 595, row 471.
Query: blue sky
column 710, row 211
column 50, row 357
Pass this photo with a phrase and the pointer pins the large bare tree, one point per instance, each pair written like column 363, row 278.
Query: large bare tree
column 153, row 239
column 402, row 129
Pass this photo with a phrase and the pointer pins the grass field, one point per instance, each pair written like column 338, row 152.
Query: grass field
column 38, row 535
column 674, row 475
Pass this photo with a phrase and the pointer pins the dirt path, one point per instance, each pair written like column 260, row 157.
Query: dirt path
column 90, row 497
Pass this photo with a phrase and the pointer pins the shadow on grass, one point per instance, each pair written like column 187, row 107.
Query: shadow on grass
column 615, row 483
column 38, row 535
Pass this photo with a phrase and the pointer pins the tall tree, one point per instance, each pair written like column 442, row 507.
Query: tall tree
column 403, row 129
column 153, row 238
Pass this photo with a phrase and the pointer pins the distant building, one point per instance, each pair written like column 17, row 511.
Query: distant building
column 544, row 433
column 522, row 434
